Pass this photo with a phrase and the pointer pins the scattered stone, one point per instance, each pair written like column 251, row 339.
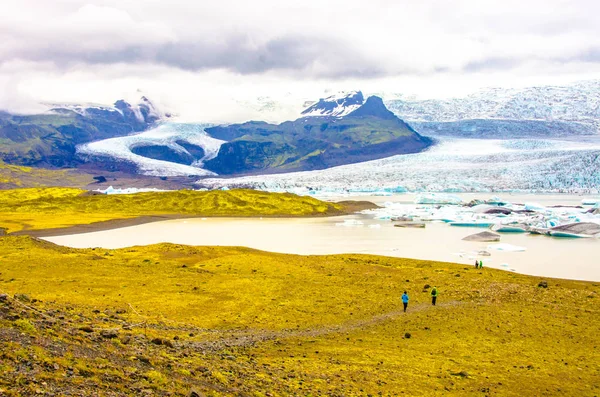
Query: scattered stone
column 22, row 297
column 407, row 335
column 195, row 393
column 543, row 284
column 109, row 333
column 462, row 374
column 144, row 359
column 3, row 297
column 86, row 328
column 163, row 342
column 427, row 286
column 483, row 237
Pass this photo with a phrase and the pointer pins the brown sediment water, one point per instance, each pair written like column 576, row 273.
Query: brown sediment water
column 544, row 256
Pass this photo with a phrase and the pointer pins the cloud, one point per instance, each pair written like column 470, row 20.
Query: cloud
column 268, row 47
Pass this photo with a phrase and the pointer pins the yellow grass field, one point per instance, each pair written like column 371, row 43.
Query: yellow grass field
column 163, row 319
column 48, row 208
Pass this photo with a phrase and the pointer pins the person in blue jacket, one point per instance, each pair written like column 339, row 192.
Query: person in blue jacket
column 405, row 300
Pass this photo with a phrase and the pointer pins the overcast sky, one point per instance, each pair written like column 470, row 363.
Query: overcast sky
column 211, row 60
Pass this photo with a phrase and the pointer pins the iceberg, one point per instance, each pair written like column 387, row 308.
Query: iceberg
column 128, row 190
column 438, row 198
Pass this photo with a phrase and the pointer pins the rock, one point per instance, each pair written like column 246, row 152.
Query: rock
column 483, row 237
column 543, row 284
column 109, row 333
column 462, row 374
column 144, row 359
column 407, row 335
column 86, row 328
column 3, row 297
column 22, row 297
column 426, row 286
column 100, row 179
column 163, row 342
column 195, row 393
column 418, row 225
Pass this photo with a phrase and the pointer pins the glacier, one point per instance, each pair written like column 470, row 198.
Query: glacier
column 453, row 165
column 167, row 134
column 578, row 102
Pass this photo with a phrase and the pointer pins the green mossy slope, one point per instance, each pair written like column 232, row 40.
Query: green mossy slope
column 46, row 208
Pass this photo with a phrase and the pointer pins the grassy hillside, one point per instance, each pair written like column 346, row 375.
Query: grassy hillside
column 14, row 176
column 46, row 208
column 163, row 319
column 50, row 139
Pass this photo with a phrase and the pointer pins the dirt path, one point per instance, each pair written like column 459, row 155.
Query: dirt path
column 248, row 339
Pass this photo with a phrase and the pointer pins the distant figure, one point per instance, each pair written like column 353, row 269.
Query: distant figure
column 434, row 295
column 481, row 264
column 476, row 264
column 405, row 300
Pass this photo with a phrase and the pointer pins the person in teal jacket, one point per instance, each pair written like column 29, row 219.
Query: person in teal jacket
column 405, row 299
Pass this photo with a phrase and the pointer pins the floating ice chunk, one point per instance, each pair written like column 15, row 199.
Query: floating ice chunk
column 128, row 190
column 375, row 226
column 350, row 223
column 534, row 207
column 591, row 201
column 438, row 198
column 506, row 247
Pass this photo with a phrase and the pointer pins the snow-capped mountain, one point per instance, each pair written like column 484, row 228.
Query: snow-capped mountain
column 50, row 138
column 143, row 113
column 338, row 105
column 536, row 111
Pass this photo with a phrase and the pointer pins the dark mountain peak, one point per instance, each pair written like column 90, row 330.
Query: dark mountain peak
column 122, row 104
column 373, row 106
column 338, row 105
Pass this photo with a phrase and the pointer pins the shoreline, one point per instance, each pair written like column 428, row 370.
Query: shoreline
column 350, row 207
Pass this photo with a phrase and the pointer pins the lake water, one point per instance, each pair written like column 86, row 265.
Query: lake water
column 544, row 256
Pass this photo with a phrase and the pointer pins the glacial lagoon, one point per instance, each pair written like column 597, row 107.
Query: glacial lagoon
column 364, row 234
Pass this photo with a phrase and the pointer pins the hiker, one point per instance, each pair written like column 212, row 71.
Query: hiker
column 481, row 264
column 434, row 295
column 476, row 264
column 405, row 300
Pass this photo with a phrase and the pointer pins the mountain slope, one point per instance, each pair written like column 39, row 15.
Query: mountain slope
column 50, row 139
column 363, row 133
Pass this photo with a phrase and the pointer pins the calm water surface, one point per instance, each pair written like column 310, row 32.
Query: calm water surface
column 545, row 256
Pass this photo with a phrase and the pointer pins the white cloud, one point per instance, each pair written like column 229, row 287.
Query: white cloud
column 207, row 57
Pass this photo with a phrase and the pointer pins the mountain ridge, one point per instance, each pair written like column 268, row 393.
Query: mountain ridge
column 324, row 137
